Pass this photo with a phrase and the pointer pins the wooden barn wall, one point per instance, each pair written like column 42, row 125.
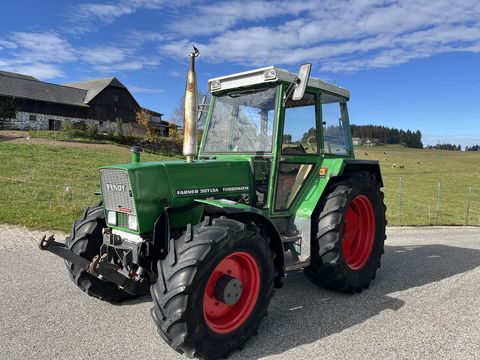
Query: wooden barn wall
column 104, row 107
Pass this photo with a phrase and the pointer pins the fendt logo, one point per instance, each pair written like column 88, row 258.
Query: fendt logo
column 113, row 187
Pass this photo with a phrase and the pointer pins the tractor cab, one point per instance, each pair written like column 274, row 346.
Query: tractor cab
column 286, row 134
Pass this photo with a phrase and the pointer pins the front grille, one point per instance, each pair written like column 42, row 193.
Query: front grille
column 116, row 192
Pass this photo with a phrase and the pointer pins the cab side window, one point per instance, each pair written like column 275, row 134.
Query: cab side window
column 335, row 130
column 299, row 130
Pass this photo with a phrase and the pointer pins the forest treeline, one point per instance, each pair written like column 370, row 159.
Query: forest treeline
column 386, row 135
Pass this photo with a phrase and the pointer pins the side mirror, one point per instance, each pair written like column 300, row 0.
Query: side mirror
column 301, row 82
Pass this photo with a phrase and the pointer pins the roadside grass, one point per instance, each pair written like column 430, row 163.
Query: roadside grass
column 456, row 171
column 47, row 187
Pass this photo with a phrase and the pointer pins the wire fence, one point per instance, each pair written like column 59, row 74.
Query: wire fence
column 437, row 203
column 408, row 203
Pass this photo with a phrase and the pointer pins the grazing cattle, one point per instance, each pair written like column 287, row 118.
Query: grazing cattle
column 384, row 153
column 366, row 154
column 385, row 159
column 394, row 165
column 418, row 163
column 402, row 166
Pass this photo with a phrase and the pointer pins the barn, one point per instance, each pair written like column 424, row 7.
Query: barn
column 44, row 106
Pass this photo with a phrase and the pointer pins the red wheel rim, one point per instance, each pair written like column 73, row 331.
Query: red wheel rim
column 220, row 317
column 359, row 232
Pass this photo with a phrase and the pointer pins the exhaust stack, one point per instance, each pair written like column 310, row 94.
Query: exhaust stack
column 191, row 109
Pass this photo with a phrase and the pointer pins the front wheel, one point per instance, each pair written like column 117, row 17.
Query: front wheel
column 85, row 240
column 350, row 234
column 213, row 288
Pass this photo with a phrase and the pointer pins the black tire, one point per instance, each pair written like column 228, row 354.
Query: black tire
column 85, row 240
column 182, row 281
column 329, row 267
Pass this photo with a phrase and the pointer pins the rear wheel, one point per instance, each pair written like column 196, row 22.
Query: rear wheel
column 350, row 234
column 213, row 288
column 85, row 240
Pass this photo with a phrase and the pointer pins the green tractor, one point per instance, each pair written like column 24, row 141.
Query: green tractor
column 275, row 186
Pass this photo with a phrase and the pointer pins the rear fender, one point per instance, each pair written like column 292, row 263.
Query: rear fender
column 370, row 166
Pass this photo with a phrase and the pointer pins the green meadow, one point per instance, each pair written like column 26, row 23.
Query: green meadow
column 420, row 171
column 46, row 186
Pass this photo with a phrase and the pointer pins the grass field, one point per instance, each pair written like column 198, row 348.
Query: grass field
column 46, row 186
column 455, row 171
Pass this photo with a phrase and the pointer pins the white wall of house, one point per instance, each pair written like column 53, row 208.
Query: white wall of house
column 33, row 121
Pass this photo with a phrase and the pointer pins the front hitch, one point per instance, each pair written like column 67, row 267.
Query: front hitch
column 98, row 267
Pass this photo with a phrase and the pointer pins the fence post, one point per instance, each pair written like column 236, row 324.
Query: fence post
column 468, row 204
column 438, row 203
column 400, row 195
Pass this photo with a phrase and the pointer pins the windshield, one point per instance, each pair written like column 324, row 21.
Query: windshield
column 242, row 121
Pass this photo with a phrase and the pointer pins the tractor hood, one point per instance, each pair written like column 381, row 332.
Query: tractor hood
column 145, row 189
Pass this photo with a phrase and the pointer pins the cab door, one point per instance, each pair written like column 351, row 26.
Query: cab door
column 298, row 152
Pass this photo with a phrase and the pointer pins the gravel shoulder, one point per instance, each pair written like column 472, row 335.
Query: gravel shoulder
column 425, row 303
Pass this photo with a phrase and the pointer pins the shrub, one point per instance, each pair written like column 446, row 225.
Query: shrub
column 92, row 128
column 119, row 130
column 80, row 126
column 67, row 127
column 128, row 130
column 110, row 129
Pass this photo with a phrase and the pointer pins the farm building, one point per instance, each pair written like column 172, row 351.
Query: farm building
column 357, row 141
column 44, row 106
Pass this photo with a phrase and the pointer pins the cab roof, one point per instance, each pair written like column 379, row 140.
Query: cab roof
column 266, row 75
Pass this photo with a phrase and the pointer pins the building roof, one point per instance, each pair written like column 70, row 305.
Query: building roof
column 15, row 75
column 96, row 86
column 27, row 87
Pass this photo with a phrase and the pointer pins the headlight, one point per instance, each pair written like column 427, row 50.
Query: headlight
column 132, row 222
column 112, row 217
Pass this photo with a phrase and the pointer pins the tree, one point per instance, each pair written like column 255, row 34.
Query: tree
column 178, row 113
column 143, row 118
column 8, row 110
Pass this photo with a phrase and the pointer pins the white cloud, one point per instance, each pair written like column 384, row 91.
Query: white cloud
column 7, row 44
column 101, row 55
column 44, row 46
column 220, row 16
column 143, row 90
column 42, row 71
column 43, row 55
column 336, row 35
column 86, row 16
column 106, row 13
column 37, row 54
column 132, row 63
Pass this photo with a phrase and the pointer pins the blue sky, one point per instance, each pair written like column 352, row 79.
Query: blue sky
column 408, row 64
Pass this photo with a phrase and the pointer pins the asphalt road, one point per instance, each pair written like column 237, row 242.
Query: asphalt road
column 424, row 304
